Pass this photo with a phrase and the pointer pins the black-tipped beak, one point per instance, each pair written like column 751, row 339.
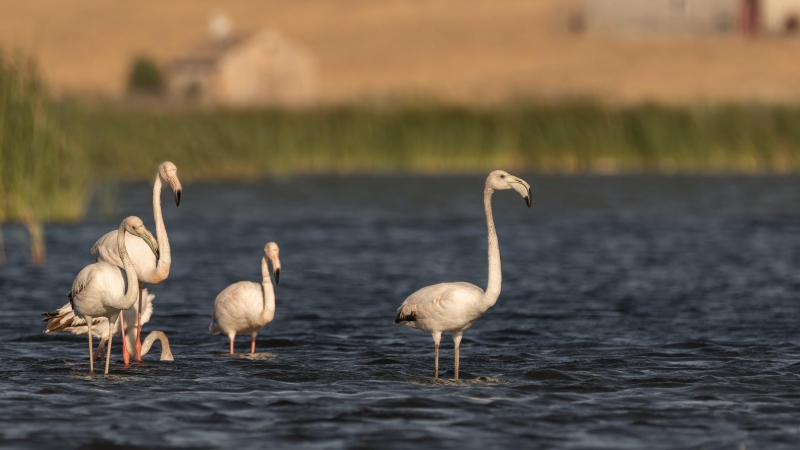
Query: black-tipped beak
column 277, row 276
column 528, row 198
column 151, row 242
column 178, row 197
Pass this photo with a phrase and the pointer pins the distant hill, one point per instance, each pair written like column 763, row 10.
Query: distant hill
column 457, row 50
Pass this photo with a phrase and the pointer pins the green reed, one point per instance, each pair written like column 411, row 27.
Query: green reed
column 42, row 173
column 566, row 138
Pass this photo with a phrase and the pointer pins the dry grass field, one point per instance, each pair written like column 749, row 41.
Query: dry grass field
column 464, row 51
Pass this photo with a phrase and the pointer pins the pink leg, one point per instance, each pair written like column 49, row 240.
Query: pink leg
column 139, row 328
column 231, row 346
column 253, row 345
column 126, row 356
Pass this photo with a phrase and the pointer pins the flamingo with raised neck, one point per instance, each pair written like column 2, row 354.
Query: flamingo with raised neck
column 152, row 265
column 454, row 307
column 245, row 307
column 103, row 290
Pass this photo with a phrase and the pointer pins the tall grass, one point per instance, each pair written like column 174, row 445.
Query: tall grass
column 567, row 138
column 42, row 173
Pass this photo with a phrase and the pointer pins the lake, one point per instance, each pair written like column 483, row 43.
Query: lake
column 636, row 312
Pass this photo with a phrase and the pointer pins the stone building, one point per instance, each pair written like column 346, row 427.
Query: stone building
column 245, row 69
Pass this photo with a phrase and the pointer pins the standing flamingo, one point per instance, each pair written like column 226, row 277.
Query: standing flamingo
column 103, row 290
column 454, row 307
column 150, row 268
column 65, row 320
column 245, row 307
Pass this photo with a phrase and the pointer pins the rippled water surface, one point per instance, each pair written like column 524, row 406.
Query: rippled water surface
column 636, row 313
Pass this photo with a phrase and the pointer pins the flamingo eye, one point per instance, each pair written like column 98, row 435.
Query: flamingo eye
column 502, row 176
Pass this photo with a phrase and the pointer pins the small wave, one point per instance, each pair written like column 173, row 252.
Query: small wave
column 548, row 375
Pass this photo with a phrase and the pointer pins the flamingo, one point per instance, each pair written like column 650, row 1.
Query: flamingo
column 103, row 290
column 454, row 307
column 65, row 320
column 245, row 307
column 150, row 268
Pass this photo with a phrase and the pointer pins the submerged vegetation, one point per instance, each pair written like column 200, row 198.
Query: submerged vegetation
column 566, row 138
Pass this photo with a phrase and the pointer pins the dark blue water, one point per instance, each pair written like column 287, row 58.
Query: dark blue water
column 658, row 313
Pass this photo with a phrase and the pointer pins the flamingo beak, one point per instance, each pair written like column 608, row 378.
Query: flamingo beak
column 276, row 267
column 176, row 189
column 522, row 187
column 151, row 242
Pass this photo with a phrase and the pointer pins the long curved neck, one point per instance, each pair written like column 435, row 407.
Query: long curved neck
column 165, row 258
column 132, row 292
column 166, row 352
column 267, row 291
column 495, row 272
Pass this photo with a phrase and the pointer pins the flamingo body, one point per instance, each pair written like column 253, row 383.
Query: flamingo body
column 94, row 287
column 239, row 309
column 140, row 252
column 245, row 307
column 454, row 307
column 64, row 320
column 443, row 307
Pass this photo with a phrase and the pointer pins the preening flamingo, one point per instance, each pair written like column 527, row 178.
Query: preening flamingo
column 150, row 268
column 454, row 307
column 245, row 307
column 104, row 290
column 64, row 320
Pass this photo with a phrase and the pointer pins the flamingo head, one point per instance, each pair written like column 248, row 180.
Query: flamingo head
column 272, row 253
column 500, row 180
column 135, row 226
column 169, row 174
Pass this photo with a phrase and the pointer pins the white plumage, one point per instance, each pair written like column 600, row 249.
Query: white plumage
column 102, row 290
column 152, row 260
column 454, row 307
column 141, row 253
column 64, row 320
column 245, row 307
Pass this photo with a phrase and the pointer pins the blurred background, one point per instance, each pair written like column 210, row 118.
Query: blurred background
column 94, row 92
column 649, row 294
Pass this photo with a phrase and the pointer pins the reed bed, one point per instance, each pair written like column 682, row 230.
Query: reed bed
column 48, row 151
column 567, row 138
column 42, row 173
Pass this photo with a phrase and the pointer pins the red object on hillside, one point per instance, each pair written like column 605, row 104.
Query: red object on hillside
column 750, row 17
